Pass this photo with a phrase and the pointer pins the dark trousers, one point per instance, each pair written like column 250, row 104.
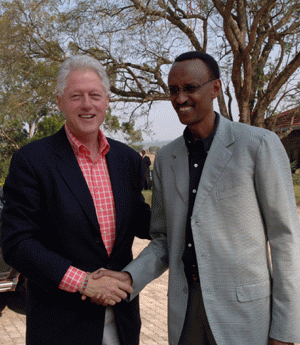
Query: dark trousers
column 196, row 330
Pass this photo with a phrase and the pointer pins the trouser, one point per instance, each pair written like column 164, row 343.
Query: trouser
column 110, row 333
column 196, row 329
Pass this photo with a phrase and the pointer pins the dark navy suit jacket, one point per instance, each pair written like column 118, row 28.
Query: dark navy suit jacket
column 50, row 223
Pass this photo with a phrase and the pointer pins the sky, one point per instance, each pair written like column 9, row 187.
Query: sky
column 165, row 122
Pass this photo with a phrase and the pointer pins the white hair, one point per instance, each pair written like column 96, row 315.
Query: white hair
column 80, row 62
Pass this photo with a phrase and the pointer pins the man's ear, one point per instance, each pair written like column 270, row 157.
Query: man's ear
column 216, row 89
column 107, row 100
column 59, row 102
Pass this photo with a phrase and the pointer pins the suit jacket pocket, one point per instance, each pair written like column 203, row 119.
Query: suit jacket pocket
column 254, row 291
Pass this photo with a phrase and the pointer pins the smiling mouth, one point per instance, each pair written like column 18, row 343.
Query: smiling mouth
column 86, row 116
column 184, row 108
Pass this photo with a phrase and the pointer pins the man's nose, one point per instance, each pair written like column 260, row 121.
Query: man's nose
column 86, row 102
column 181, row 97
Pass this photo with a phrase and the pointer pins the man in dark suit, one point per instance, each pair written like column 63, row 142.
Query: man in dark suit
column 146, row 166
column 74, row 205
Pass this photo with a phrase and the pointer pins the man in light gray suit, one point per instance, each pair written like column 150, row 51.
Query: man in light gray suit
column 225, row 223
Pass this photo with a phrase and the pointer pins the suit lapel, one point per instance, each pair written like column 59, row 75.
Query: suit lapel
column 180, row 167
column 73, row 177
column 217, row 159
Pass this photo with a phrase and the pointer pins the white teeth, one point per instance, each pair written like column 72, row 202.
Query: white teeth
column 87, row 116
column 185, row 108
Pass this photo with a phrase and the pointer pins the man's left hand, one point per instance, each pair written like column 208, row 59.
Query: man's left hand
column 277, row 342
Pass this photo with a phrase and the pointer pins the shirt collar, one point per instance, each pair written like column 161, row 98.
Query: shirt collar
column 78, row 147
column 190, row 142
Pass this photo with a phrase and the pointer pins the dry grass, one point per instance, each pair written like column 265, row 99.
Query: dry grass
column 297, row 194
column 148, row 196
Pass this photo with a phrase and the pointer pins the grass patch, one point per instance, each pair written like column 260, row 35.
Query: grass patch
column 297, row 194
column 148, row 196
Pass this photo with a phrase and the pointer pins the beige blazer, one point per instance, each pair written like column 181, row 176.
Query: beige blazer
column 245, row 200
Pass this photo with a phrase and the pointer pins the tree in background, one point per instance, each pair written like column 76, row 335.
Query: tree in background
column 255, row 42
column 30, row 55
column 153, row 149
column 16, row 135
column 137, row 148
column 263, row 38
column 27, row 83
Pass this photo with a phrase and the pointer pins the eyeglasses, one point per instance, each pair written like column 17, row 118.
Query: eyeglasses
column 187, row 89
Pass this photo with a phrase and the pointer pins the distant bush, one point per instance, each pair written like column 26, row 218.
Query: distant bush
column 296, row 178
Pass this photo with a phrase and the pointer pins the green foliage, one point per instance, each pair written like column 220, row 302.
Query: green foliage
column 293, row 166
column 295, row 173
column 14, row 135
column 48, row 126
column 137, row 41
column 296, row 179
column 131, row 135
column 27, row 82
column 111, row 122
column 2, row 180
column 297, row 194
column 148, row 196
column 4, row 166
column 153, row 149
column 137, row 148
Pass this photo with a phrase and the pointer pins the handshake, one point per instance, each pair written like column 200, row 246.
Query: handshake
column 106, row 287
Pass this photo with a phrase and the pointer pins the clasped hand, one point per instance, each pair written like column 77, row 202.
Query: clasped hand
column 107, row 287
column 277, row 342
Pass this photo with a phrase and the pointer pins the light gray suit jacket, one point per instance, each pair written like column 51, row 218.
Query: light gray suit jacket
column 245, row 200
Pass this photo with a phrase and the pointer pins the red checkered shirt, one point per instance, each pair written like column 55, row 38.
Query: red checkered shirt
column 97, row 177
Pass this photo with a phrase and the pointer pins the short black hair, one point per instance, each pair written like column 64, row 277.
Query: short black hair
column 206, row 58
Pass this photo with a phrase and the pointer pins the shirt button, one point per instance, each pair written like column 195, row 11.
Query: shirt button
column 190, row 245
column 196, row 165
column 194, row 191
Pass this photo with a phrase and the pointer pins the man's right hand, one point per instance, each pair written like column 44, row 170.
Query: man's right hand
column 122, row 276
column 105, row 290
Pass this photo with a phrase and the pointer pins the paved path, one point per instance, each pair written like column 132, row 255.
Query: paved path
column 153, row 301
column 12, row 328
column 153, row 312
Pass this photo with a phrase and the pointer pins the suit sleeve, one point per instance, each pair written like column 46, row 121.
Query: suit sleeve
column 275, row 192
column 22, row 219
column 153, row 260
